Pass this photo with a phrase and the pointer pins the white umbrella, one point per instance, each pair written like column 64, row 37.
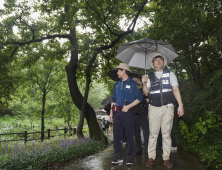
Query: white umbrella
column 140, row 53
column 98, row 116
column 105, row 117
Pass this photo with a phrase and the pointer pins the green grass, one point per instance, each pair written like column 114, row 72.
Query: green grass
column 7, row 125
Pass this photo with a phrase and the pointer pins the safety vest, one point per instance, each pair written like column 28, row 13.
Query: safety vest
column 161, row 92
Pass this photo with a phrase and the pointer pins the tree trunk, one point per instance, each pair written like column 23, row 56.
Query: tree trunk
column 83, row 108
column 94, row 129
column 43, row 112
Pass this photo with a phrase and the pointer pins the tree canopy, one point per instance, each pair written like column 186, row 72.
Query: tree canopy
column 89, row 52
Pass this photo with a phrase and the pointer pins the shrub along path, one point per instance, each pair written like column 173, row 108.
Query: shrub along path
column 102, row 161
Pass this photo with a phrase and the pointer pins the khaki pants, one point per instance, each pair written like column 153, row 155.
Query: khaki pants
column 160, row 117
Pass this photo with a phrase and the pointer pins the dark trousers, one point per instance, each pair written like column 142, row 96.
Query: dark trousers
column 123, row 121
column 123, row 137
column 141, row 121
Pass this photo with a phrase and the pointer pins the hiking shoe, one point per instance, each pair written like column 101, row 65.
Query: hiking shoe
column 150, row 163
column 117, row 161
column 129, row 162
column 173, row 149
column 168, row 163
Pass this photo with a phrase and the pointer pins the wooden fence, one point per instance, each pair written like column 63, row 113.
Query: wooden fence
column 66, row 130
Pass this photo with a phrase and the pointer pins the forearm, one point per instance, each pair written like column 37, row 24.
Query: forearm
column 146, row 90
column 177, row 95
column 134, row 103
column 111, row 110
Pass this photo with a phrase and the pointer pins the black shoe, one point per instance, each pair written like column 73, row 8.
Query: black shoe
column 129, row 162
column 138, row 153
column 117, row 161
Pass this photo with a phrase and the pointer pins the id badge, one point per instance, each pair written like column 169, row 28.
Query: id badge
column 165, row 81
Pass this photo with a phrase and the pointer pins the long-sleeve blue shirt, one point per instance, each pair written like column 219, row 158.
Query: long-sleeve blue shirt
column 129, row 92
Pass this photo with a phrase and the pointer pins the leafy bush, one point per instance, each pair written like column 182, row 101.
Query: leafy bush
column 6, row 118
column 36, row 156
column 204, row 133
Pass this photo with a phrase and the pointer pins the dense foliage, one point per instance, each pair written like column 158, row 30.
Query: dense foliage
column 194, row 30
column 202, row 128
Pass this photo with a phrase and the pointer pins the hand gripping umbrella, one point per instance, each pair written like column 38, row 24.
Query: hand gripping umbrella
column 140, row 53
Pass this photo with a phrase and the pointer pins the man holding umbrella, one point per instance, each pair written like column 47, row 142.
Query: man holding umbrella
column 126, row 95
column 163, row 88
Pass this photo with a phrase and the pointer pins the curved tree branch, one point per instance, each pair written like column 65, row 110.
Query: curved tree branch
column 137, row 15
column 103, row 20
column 33, row 30
column 14, row 51
column 39, row 40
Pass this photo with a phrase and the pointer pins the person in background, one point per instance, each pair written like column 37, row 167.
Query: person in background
column 163, row 88
column 107, row 124
column 141, row 121
column 103, row 124
column 107, row 108
column 126, row 95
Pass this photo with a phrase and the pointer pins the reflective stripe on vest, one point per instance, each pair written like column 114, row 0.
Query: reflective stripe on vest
column 158, row 91
column 166, row 75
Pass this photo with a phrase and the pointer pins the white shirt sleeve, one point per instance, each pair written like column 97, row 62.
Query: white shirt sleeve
column 173, row 80
column 148, row 83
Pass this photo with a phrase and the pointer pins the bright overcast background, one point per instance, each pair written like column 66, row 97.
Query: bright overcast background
column 139, row 24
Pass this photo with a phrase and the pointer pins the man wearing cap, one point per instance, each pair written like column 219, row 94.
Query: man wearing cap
column 125, row 96
column 163, row 88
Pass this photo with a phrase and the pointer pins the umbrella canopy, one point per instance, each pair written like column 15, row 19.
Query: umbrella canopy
column 98, row 116
column 113, row 74
column 107, row 100
column 105, row 117
column 140, row 53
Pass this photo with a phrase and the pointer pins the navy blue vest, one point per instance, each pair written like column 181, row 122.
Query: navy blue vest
column 161, row 92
